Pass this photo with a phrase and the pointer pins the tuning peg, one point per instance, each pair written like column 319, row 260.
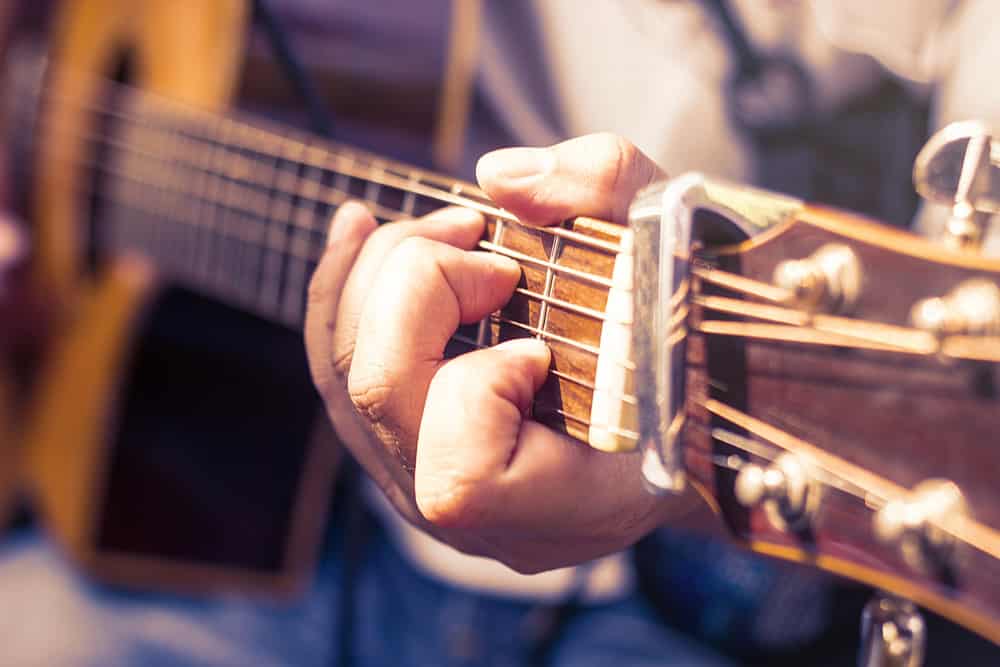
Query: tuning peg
column 784, row 488
column 893, row 633
column 956, row 168
column 917, row 524
column 828, row 280
column 972, row 308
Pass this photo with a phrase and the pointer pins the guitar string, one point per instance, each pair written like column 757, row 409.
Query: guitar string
column 734, row 281
column 326, row 156
column 542, row 408
column 133, row 200
column 875, row 490
column 799, row 334
column 241, row 300
column 334, row 198
column 796, row 333
column 761, row 289
column 925, row 345
column 758, row 290
column 142, row 203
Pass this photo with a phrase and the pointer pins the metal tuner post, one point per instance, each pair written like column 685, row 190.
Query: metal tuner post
column 959, row 167
column 893, row 633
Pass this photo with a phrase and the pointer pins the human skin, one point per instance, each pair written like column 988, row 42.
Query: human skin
column 448, row 441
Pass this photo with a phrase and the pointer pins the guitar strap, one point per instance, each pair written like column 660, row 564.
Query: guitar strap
column 858, row 156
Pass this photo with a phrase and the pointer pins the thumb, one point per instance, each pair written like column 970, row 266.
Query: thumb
column 596, row 175
column 487, row 393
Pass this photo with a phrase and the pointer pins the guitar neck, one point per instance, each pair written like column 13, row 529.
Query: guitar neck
column 239, row 211
column 236, row 211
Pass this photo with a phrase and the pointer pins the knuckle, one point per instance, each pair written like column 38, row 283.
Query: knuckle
column 383, row 240
column 454, row 503
column 622, row 156
column 371, row 393
column 411, row 251
column 341, row 359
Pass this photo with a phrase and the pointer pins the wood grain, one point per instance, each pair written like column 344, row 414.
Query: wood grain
column 899, row 417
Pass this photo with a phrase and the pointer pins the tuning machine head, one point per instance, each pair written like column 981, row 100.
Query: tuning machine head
column 958, row 167
column 829, row 280
column 918, row 525
column 786, row 489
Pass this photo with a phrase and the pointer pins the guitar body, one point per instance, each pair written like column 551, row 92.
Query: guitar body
column 190, row 52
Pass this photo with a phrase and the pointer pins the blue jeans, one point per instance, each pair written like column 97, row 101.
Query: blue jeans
column 51, row 616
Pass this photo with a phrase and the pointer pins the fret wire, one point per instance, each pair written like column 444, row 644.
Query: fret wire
column 372, row 187
column 249, row 255
column 567, row 306
column 484, row 324
column 226, row 217
column 625, row 398
column 579, row 345
column 543, row 309
column 301, row 238
column 288, row 226
column 410, row 198
column 513, row 254
column 625, row 433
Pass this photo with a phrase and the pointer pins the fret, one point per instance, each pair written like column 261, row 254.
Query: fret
column 274, row 247
column 215, row 219
column 373, row 187
column 307, row 213
column 342, row 183
column 204, row 214
column 550, row 276
column 483, row 332
column 246, row 221
column 159, row 196
column 175, row 220
column 410, row 198
column 251, row 274
column 220, row 242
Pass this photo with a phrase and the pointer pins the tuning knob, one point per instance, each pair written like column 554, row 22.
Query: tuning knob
column 917, row 524
column 972, row 308
column 893, row 633
column 828, row 280
column 784, row 488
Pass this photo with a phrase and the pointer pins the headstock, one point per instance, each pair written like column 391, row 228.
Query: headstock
column 831, row 384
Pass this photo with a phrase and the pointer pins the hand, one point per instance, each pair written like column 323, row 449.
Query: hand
column 448, row 441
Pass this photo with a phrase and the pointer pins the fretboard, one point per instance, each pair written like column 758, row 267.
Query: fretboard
column 239, row 211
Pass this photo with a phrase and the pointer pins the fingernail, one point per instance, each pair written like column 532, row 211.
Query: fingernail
column 505, row 263
column 532, row 347
column 456, row 214
column 340, row 223
column 515, row 164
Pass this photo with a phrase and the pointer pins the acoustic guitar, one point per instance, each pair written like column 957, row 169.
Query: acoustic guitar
column 827, row 383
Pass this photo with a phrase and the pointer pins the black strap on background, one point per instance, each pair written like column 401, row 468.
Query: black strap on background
column 321, row 117
column 768, row 94
column 858, row 156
